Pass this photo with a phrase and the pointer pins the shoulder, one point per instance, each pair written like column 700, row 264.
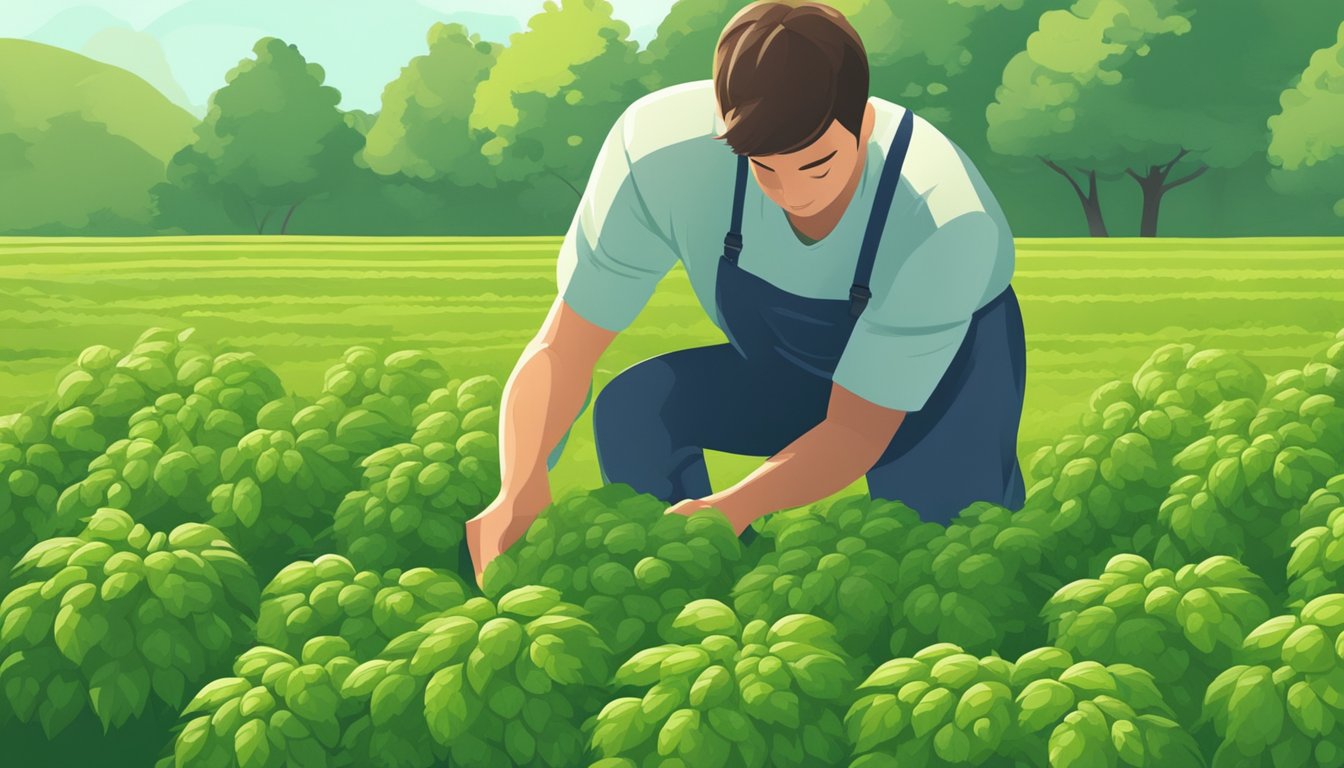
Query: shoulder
column 661, row 121
column 942, row 177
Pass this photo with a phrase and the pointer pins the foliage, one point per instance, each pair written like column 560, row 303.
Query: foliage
column 271, row 139
column 1280, row 703
column 614, row 552
column 109, row 617
column 487, row 683
column 975, row 583
column 328, row 597
column 943, row 706
column 730, row 694
column 840, row 561
column 1183, row 626
column 1305, row 136
column 416, row 496
column 276, row 710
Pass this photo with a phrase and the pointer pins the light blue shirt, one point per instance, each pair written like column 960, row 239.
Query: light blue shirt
column 661, row 192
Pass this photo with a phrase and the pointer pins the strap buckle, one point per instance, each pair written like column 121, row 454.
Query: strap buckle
column 732, row 242
column 858, row 299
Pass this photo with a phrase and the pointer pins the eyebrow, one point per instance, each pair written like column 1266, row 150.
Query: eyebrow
column 812, row 164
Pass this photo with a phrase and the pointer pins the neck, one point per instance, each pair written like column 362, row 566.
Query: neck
column 820, row 224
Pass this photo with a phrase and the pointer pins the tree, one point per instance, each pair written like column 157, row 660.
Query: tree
column 1065, row 97
column 683, row 48
column 1307, row 135
column 272, row 138
column 1130, row 87
column 422, row 129
column 555, row 91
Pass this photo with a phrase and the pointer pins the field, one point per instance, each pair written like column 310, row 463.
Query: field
column 1093, row 310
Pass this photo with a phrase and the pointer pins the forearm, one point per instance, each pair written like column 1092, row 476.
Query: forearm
column 541, row 400
column 822, row 461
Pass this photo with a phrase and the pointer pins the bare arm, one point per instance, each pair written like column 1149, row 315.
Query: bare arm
column 541, row 400
column 544, row 394
column 823, row 460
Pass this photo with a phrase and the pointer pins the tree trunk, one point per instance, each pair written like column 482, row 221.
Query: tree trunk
column 1090, row 200
column 1154, row 185
column 285, row 224
column 264, row 219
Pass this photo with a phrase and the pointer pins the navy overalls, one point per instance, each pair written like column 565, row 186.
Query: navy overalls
column 772, row 381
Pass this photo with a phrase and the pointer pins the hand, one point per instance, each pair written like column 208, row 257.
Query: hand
column 691, row 506
column 501, row 524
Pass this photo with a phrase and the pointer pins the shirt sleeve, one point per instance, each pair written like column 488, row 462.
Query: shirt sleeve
column 911, row 329
column 614, row 254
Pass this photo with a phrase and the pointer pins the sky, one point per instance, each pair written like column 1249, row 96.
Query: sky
column 185, row 47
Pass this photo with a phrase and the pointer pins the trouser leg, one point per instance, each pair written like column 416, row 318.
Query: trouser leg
column 962, row 446
column 654, row 420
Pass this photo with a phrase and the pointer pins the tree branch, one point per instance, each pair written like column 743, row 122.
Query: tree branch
column 576, row 191
column 1194, row 175
column 1175, row 160
column 1066, row 175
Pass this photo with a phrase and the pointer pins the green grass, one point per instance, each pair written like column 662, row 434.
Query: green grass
column 1093, row 310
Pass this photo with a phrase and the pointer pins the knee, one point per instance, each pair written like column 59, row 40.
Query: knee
column 629, row 398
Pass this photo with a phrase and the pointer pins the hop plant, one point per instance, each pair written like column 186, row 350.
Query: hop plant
column 943, row 706
column 33, row 471
column 416, row 497
column 1104, row 482
column 730, row 695
column 110, row 616
column 410, row 374
column 1279, row 704
column 159, row 488
column 276, row 710
column 1183, row 626
column 328, row 597
column 380, row 397
column 616, row 553
column 484, row 684
column 280, row 482
column 974, row 583
column 839, row 561
column 1268, row 457
column 1316, row 566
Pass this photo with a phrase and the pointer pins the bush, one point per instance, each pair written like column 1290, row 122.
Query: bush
column 618, row 555
column 1184, row 626
column 115, row 614
column 731, row 694
column 946, row 707
column 484, row 684
column 1278, row 705
column 306, row 600
column 416, row 496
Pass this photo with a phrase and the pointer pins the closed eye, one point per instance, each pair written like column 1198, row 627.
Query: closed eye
column 822, row 176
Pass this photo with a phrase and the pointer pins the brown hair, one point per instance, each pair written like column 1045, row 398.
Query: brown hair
column 783, row 72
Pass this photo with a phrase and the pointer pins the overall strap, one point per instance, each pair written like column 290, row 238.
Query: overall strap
column 732, row 242
column 859, row 294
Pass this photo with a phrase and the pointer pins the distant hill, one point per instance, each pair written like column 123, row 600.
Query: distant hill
column 102, row 93
column 81, row 145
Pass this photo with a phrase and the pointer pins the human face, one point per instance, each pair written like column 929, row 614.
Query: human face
column 820, row 177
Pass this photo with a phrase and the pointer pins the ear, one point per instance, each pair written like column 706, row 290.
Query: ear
column 866, row 127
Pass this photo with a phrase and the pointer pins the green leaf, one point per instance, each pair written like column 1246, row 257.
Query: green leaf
column 446, row 708
column 875, row 719
column 390, row 698
column 250, row 744
column 708, row 617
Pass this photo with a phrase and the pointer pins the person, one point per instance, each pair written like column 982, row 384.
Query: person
column 860, row 274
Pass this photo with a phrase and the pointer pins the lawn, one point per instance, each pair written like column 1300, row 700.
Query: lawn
column 1093, row 309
